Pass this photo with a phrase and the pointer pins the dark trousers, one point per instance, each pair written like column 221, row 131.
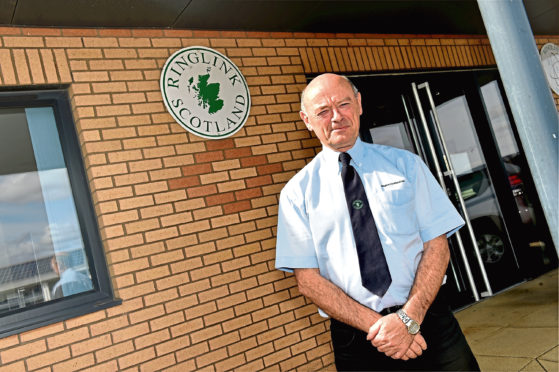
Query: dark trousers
column 447, row 349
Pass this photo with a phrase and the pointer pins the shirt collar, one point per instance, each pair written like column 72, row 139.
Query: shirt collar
column 356, row 152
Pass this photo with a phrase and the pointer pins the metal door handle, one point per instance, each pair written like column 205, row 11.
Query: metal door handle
column 415, row 136
column 448, row 163
column 443, row 185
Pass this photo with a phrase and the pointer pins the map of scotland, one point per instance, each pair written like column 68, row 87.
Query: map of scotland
column 206, row 94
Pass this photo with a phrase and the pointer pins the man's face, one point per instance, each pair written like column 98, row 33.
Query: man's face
column 331, row 111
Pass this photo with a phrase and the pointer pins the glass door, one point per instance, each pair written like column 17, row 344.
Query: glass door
column 443, row 117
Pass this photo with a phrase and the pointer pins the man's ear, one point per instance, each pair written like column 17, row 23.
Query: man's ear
column 305, row 119
column 359, row 102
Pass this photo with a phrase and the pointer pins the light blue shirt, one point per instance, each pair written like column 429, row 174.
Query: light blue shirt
column 408, row 205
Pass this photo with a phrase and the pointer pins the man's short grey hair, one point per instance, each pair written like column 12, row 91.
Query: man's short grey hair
column 353, row 87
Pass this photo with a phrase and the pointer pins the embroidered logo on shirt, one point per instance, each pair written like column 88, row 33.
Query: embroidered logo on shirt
column 393, row 183
column 357, row 204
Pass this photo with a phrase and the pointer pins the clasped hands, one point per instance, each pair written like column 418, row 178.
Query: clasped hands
column 390, row 336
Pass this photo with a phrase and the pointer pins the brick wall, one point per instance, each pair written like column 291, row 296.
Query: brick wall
column 188, row 225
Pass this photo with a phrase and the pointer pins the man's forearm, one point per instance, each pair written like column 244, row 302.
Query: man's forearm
column 428, row 278
column 333, row 301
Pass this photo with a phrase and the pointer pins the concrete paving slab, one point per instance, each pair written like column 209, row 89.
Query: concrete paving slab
column 549, row 366
column 545, row 316
column 533, row 366
column 516, row 330
column 517, row 342
column 552, row 355
column 494, row 363
column 478, row 334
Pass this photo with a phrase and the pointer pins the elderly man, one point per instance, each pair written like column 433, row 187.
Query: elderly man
column 364, row 228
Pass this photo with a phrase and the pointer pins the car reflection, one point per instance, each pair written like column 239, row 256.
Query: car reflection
column 483, row 209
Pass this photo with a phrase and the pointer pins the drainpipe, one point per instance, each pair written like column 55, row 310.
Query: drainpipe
column 529, row 95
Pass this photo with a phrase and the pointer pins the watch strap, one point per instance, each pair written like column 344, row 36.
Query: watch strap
column 412, row 325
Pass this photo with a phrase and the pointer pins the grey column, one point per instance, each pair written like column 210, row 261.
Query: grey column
column 529, row 96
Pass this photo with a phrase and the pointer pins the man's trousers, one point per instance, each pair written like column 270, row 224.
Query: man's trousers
column 447, row 349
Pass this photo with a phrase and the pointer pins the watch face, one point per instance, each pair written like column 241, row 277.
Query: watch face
column 413, row 327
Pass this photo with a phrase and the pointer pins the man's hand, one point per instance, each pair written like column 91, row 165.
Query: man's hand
column 390, row 336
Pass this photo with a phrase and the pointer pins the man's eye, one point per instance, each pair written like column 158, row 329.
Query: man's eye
column 322, row 113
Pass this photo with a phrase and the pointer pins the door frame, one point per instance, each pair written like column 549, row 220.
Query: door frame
column 470, row 80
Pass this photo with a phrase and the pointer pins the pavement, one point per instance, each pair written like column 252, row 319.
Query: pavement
column 516, row 330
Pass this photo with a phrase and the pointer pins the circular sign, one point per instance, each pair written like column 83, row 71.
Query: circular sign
column 205, row 92
column 550, row 61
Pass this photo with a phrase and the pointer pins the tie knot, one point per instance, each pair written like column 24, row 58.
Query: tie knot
column 345, row 158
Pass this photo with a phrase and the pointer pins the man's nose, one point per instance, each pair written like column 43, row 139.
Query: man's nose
column 336, row 114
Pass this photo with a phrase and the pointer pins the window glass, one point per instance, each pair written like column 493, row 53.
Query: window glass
column 394, row 135
column 42, row 255
column 512, row 161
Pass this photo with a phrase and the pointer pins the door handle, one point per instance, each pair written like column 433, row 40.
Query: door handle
column 413, row 130
column 448, row 165
column 443, row 185
column 421, row 151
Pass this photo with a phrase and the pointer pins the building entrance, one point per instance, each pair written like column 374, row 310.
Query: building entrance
column 460, row 124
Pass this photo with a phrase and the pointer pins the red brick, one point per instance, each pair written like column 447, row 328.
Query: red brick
column 237, row 207
column 184, row 182
column 269, row 169
column 220, row 199
column 194, row 192
column 254, row 160
column 208, row 156
column 259, row 181
column 237, row 153
column 220, row 144
column 191, row 170
column 248, row 194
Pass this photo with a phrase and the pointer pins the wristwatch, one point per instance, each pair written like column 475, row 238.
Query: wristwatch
column 413, row 326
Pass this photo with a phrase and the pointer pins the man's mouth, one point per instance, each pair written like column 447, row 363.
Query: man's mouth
column 339, row 129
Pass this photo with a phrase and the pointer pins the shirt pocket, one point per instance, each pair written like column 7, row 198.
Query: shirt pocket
column 396, row 195
column 397, row 210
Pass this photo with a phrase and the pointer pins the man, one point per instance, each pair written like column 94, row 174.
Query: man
column 320, row 239
column 70, row 281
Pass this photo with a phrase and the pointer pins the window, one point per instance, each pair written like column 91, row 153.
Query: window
column 52, row 265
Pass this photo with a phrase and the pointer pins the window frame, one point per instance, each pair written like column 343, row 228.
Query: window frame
column 102, row 296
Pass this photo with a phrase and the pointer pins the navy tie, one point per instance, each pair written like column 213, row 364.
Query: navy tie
column 375, row 275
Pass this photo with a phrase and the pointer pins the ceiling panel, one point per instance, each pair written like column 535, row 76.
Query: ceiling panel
column 98, row 13
column 6, row 11
column 351, row 16
column 458, row 16
column 543, row 16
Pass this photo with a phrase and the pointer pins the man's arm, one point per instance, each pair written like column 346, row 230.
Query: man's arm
column 336, row 303
column 333, row 301
column 429, row 277
column 389, row 335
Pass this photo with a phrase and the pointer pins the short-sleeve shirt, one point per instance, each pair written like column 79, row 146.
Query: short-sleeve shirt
column 408, row 205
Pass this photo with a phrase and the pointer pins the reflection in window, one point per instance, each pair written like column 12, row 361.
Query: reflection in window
column 510, row 155
column 473, row 176
column 42, row 253
column 394, row 135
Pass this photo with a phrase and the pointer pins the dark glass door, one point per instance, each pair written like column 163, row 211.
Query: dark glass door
column 458, row 122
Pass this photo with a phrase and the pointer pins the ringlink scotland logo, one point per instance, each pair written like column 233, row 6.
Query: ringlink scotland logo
column 205, row 92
